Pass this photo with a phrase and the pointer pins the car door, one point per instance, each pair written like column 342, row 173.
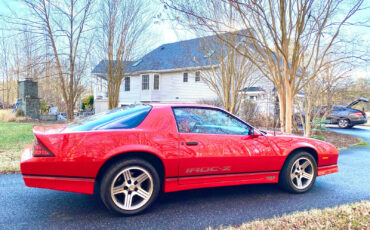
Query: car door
column 215, row 143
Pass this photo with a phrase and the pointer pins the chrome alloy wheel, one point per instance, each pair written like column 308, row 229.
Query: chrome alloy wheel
column 343, row 123
column 302, row 173
column 132, row 188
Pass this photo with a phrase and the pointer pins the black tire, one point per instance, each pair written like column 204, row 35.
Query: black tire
column 117, row 173
column 291, row 185
column 344, row 123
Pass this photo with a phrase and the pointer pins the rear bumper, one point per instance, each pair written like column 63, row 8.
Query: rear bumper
column 327, row 169
column 68, row 184
column 35, row 170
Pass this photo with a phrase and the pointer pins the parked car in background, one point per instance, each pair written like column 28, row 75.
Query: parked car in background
column 343, row 116
column 129, row 154
column 346, row 116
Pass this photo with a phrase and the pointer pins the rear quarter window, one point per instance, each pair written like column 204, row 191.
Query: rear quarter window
column 120, row 118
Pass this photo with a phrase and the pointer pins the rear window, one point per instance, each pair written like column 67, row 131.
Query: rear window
column 120, row 118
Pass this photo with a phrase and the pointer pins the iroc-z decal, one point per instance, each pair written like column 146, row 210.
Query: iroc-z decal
column 208, row 169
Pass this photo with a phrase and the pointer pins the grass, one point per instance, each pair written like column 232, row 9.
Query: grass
column 362, row 143
column 350, row 216
column 13, row 138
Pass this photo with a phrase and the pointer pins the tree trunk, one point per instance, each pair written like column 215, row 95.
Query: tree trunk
column 282, row 110
column 288, row 111
column 307, row 129
column 113, row 92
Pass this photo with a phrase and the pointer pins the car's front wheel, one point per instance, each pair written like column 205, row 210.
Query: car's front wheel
column 298, row 173
column 129, row 186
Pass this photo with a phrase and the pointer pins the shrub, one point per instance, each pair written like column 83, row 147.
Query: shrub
column 87, row 102
column 213, row 102
column 249, row 111
column 44, row 108
column 19, row 113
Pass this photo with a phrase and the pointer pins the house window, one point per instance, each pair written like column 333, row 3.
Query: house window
column 156, row 82
column 197, row 76
column 127, row 83
column 185, row 78
column 145, row 82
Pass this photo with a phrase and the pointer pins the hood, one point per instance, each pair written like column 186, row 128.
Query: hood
column 355, row 102
column 277, row 133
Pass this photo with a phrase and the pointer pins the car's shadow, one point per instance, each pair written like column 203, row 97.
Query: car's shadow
column 219, row 199
column 192, row 209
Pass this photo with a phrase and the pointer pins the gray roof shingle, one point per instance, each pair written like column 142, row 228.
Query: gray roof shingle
column 182, row 54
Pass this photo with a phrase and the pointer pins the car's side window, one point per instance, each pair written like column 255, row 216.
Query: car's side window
column 210, row 121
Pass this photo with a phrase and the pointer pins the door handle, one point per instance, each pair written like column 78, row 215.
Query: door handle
column 191, row 143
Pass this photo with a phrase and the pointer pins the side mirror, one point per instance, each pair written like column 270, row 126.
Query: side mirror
column 251, row 132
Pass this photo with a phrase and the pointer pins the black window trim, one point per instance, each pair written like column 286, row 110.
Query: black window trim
column 211, row 108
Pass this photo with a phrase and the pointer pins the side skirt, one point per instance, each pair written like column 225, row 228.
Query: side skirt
column 194, row 182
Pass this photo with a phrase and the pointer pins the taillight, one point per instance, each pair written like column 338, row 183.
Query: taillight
column 39, row 150
column 358, row 114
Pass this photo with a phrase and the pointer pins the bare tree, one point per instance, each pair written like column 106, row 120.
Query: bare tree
column 319, row 94
column 122, row 25
column 64, row 24
column 290, row 39
column 229, row 73
column 5, row 69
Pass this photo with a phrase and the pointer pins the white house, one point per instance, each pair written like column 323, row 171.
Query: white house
column 172, row 73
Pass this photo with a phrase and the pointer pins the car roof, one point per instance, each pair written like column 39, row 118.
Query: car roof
column 172, row 104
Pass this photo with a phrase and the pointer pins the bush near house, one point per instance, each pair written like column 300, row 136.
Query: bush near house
column 44, row 107
column 87, row 102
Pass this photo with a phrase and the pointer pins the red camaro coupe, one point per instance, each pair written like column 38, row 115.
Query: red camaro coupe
column 127, row 155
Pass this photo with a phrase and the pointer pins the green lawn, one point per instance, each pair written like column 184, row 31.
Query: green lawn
column 13, row 138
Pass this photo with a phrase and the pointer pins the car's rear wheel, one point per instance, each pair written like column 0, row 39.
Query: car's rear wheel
column 129, row 186
column 298, row 173
column 344, row 123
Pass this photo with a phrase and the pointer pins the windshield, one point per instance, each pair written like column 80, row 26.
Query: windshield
column 120, row 118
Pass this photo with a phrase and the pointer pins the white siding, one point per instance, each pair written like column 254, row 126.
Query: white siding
column 100, row 105
column 173, row 89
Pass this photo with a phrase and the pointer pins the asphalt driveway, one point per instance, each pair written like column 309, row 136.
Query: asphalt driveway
column 30, row 208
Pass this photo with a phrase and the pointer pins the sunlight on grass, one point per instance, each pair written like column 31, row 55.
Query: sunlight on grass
column 13, row 138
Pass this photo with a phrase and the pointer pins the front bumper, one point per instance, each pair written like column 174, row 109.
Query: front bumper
column 327, row 169
column 34, row 176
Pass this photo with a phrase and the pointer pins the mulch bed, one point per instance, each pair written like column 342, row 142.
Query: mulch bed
column 337, row 139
